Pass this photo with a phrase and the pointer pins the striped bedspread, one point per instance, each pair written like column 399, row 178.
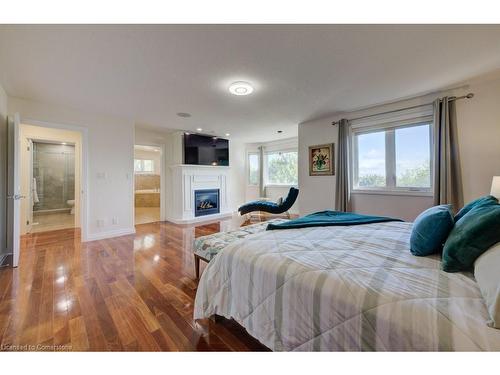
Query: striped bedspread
column 344, row 288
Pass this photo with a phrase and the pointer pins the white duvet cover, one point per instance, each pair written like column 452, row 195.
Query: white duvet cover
column 344, row 288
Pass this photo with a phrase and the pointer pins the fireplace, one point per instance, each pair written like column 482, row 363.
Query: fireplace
column 206, row 202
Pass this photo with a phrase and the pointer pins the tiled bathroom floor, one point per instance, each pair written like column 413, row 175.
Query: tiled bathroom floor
column 145, row 215
column 53, row 221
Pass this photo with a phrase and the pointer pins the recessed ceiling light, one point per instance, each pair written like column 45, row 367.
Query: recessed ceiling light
column 199, row 129
column 227, row 134
column 240, row 88
column 63, row 143
column 187, row 133
column 184, row 114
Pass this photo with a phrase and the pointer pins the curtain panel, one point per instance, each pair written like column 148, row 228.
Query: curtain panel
column 342, row 194
column 447, row 173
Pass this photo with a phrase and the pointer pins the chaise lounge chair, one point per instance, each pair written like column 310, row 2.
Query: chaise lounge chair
column 271, row 207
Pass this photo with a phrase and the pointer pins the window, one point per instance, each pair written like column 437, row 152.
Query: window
column 281, row 168
column 144, row 166
column 253, row 169
column 396, row 158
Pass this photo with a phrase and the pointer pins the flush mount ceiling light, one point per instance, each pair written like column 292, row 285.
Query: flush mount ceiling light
column 240, row 88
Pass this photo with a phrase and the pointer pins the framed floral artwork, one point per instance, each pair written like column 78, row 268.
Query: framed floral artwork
column 321, row 160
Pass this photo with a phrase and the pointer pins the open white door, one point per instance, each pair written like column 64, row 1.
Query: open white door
column 31, row 196
column 13, row 190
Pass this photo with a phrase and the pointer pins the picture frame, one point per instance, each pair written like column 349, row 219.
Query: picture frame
column 322, row 160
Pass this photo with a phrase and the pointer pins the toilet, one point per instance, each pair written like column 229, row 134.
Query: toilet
column 71, row 203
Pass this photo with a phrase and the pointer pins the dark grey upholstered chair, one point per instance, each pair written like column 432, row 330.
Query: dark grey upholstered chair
column 271, row 207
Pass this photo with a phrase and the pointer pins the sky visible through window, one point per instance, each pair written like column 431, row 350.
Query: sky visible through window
column 412, row 156
column 371, row 159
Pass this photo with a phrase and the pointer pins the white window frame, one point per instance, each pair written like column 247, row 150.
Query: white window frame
column 266, row 172
column 389, row 124
column 256, row 153
column 142, row 164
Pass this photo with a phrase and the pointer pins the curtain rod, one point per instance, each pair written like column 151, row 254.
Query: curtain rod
column 450, row 99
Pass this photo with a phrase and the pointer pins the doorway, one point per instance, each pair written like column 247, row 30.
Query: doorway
column 147, row 184
column 50, row 179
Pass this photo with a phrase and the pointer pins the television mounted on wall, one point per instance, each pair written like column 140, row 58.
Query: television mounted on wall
column 205, row 150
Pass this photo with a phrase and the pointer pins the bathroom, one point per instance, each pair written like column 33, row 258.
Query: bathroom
column 53, row 186
column 147, row 167
column 50, row 179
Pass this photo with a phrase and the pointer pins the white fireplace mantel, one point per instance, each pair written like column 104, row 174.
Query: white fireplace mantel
column 186, row 179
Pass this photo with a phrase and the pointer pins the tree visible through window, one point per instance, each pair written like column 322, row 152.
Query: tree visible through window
column 282, row 168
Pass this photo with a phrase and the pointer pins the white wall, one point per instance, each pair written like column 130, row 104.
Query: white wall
column 110, row 145
column 479, row 141
column 3, row 172
column 316, row 192
column 237, row 176
column 479, row 138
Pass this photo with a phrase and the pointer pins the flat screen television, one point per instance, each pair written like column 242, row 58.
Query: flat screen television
column 205, row 150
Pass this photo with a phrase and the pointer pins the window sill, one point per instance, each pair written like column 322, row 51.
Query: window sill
column 280, row 185
column 393, row 192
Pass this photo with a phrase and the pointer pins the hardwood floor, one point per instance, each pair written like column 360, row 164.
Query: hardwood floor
column 132, row 293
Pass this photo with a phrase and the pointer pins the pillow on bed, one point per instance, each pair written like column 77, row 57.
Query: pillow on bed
column 486, row 271
column 486, row 200
column 471, row 236
column 430, row 230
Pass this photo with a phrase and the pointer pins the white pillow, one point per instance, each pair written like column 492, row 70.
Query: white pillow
column 487, row 273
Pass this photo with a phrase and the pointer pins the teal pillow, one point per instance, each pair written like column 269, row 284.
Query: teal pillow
column 430, row 230
column 486, row 200
column 471, row 236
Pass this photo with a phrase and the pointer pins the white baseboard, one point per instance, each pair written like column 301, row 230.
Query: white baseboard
column 200, row 218
column 109, row 234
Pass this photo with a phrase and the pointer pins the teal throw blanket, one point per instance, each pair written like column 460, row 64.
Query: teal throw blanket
column 330, row 218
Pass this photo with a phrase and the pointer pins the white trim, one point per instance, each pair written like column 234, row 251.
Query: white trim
column 280, row 185
column 388, row 124
column 399, row 117
column 379, row 191
column 110, row 234
column 200, row 218
column 199, row 166
column 84, row 183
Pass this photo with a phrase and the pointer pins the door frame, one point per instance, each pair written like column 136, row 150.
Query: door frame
column 163, row 186
column 84, row 176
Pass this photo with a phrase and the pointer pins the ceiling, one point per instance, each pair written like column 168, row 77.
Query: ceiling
column 299, row 72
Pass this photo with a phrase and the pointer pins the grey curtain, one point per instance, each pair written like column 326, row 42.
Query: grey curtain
column 447, row 174
column 262, row 188
column 342, row 195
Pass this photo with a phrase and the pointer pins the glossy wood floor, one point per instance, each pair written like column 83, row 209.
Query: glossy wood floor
column 132, row 293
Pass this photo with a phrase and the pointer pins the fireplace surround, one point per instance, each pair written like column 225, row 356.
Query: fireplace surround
column 185, row 180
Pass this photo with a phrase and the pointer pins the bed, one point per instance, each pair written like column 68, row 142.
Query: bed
column 344, row 288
